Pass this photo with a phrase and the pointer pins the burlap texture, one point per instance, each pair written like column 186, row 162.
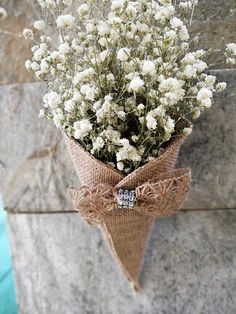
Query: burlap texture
column 127, row 230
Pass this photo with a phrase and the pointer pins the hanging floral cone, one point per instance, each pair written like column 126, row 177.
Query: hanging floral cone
column 125, row 207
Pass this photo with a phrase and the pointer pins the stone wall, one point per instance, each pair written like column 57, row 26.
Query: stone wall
column 62, row 265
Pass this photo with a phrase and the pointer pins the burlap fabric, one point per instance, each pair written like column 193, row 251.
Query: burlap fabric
column 160, row 191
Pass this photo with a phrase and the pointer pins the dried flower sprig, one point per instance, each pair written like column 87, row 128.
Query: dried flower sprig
column 125, row 81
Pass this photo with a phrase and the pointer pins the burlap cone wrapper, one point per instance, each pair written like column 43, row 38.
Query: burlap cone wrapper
column 160, row 191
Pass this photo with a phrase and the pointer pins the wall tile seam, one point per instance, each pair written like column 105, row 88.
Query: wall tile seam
column 16, row 212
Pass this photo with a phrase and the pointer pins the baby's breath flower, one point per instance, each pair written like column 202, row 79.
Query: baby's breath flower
column 136, row 84
column 231, row 49
column 82, row 128
column 28, row 33
column 187, row 131
column 120, row 166
column 69, row 105
column 204, row 97
column 41, row 113
column 123, row 54
column 83, row 10
column 149, row 68
column 123, row 83
column 52, row 100
column 220, row 87
column 3, row 14
column 117, row 5
column 39, row 25
column 28, row 65
column 65, row 21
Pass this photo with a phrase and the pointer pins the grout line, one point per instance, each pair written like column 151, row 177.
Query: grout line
column 38, row 212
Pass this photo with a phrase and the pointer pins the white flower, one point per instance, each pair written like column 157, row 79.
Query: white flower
column 98, row 143
column 200, row 66
column 82, row 128
column 50, row 4
column 127, row 152
column 189, row 72
column 149, row 68
column 3, row 14
column 64, row 48
column 65, row 21
column 88, row 91
column 110, row 77
column 39, row 54
column 136, row 84
column 123, row 54
column 69, row 105
column 187, row 131
column 67, row 2
column 39, row 25
column 220, row 87
column 164, row 13
column 134, row 138
column 83, row 76
column 183, row 33
column 210, row 80
column 83, row 10
column 169, row 125
column 90, row 27
column 28, row 33
column 103, row 55
column 196, row 114
column 41, row 113
column 103, row 28
column 58, row 117
column 151, row 121
column 52, row 100
column 44, row 66
column 57, row 57
column 172, row 90
column 204, row 97
column 35, row 66
column 117, row 5
column 140, row 107
column 176, row 23
column 131, row 11
column 120, row 166
column 28, row 65
column 170, row 35
column 231, row 61
column 231, row 49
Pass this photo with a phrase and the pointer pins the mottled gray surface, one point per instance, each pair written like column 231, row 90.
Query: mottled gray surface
column 35, row 168
column 211, row 152
column 64, row 266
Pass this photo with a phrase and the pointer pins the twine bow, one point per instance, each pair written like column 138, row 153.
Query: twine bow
column 161, row 196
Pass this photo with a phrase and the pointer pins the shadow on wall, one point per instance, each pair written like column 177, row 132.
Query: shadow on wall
column 7, row 291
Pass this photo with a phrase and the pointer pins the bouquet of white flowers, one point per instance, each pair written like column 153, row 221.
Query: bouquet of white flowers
column 124, row 84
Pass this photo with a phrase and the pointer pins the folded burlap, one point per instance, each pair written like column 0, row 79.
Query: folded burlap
column 160, row 191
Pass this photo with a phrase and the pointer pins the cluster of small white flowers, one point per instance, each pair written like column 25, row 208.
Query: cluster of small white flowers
column 52, row 4
column 231, row 53
column 3, row 14
column 124, row 84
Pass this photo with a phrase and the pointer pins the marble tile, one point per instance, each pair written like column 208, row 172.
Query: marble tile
column 62, row 265
column 35, row 168
column 210, row 152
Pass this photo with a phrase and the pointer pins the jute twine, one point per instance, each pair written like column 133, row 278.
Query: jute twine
column 160, row 191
